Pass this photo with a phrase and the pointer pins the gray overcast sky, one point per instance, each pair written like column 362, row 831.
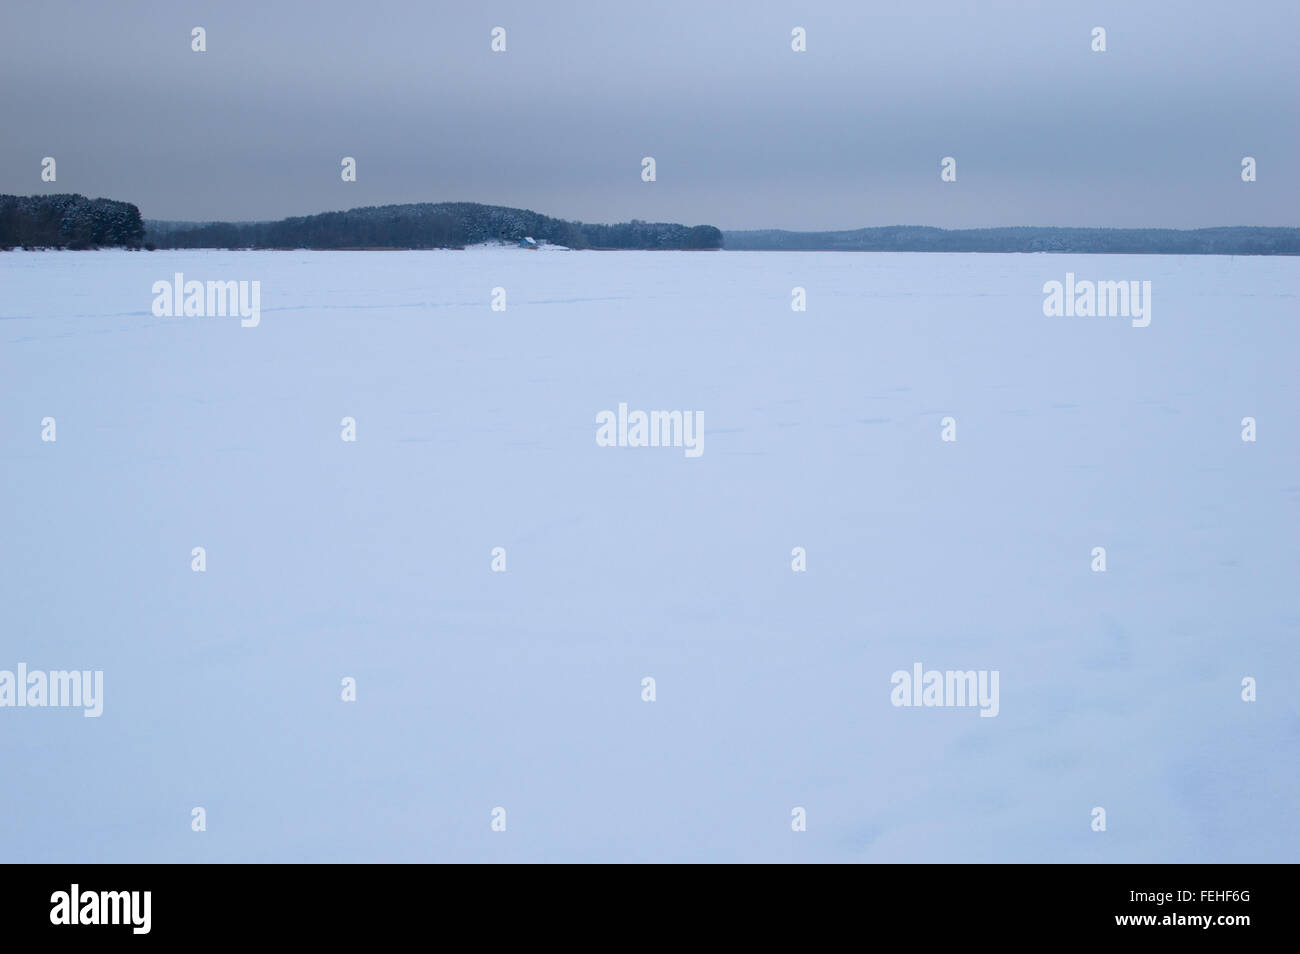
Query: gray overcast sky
column 746, row 132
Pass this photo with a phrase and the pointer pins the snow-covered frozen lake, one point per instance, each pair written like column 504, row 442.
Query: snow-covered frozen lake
column 475, row 429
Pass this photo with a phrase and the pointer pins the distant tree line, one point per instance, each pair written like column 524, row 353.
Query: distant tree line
column 428, row 225
column 1242, row 240
column 74, row 221
column 68, row 221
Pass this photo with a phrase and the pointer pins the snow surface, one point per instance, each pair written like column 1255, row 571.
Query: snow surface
column 522, row 689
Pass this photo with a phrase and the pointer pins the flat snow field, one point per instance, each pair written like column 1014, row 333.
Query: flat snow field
column 477, row 690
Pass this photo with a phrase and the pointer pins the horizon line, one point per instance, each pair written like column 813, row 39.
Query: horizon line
column 766, row 228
